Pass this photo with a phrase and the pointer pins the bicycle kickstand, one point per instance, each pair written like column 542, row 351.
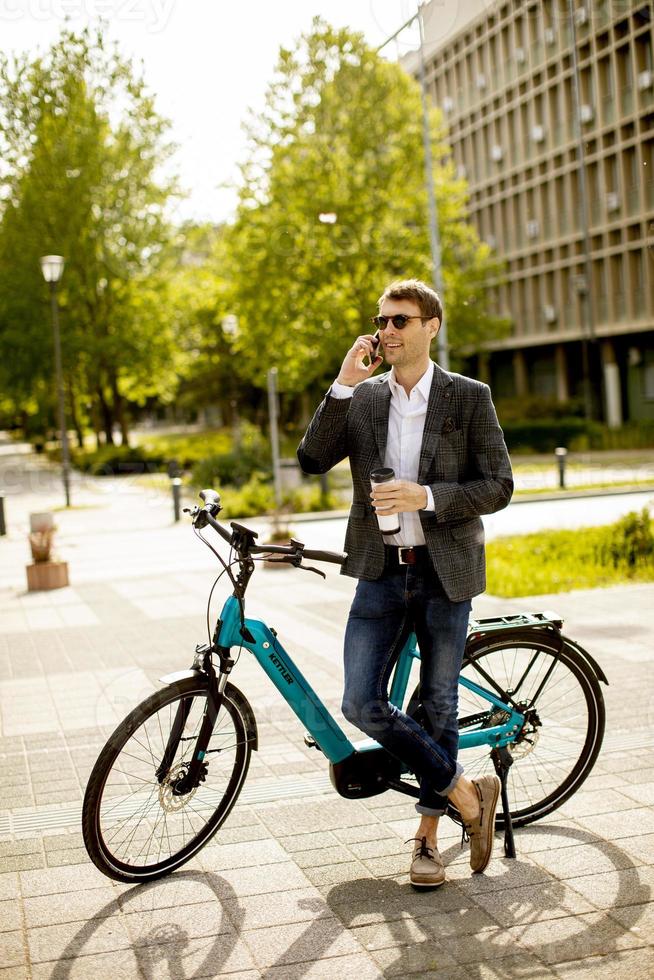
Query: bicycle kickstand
column 503, row 761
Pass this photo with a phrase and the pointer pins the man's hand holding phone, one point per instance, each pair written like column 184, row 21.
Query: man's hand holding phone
column 353, row 370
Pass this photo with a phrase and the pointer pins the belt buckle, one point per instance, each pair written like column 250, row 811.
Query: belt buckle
column 410, row 558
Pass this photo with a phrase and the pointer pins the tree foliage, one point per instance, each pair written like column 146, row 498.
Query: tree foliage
column 81, row 147
column 342, row 134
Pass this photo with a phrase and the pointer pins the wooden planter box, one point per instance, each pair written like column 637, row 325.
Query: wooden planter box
column 45, row 575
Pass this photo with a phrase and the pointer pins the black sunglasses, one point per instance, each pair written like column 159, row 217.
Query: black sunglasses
column 399, row 321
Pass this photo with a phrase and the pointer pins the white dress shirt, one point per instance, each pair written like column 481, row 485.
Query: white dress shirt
column 406, row 423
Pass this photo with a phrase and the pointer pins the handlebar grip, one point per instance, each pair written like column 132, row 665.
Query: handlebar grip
column 210, row 496
column 331, row 556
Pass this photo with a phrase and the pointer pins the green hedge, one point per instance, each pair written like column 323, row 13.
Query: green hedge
column 118, row 461
column 577, row 435
column 561, row 561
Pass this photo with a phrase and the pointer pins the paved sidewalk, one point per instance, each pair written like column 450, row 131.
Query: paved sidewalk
column 300, row 883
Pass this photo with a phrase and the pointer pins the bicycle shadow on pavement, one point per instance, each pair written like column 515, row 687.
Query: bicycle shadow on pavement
column 515, row 924
column 161, row 947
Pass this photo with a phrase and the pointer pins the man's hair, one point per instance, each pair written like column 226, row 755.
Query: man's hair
column 426, row 298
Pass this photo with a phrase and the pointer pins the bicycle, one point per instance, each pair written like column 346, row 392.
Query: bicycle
column 531, row 706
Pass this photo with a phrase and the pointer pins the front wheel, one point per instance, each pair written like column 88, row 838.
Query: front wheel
column 136, row 826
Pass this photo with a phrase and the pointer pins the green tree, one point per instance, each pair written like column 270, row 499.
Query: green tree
column 82, row 145
column 341, row 134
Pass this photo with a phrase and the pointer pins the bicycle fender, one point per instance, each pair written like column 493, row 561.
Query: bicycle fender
column 178, row 675
column 590, row 660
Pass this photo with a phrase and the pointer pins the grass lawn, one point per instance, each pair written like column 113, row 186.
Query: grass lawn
column 561, row 561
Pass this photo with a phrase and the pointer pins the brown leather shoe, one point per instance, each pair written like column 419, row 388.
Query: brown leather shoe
column 427, row 869
column 480, row 831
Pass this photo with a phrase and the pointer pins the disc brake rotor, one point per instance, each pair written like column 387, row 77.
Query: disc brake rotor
column 167, row 799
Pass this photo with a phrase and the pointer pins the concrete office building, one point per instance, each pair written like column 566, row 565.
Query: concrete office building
column 503, row 73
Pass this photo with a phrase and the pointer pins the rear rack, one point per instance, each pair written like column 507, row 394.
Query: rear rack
column 495, row 624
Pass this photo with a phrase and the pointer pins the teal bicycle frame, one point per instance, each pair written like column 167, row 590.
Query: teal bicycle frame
column 262, row 641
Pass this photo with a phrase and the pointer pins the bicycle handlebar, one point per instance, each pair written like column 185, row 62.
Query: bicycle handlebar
column 296, row 549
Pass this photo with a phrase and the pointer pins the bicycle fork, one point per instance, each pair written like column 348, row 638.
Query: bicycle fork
column 197, row 768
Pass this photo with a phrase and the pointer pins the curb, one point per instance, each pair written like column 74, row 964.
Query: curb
column 332, row 515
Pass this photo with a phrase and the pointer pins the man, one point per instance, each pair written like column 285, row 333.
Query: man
column 440, row 434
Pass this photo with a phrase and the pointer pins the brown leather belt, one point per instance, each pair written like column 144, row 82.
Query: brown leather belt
column 417, row 555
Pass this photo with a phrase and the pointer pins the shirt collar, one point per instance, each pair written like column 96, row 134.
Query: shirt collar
column 423, row 386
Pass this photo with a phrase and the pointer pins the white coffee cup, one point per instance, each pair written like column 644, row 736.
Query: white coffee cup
column 388, row 523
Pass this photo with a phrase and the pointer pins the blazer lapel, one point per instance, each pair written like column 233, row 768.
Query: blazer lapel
column 437, row 409
column 381, row 402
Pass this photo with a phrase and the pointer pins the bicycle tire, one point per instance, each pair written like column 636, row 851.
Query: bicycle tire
column 550, row 761
column 112, row 841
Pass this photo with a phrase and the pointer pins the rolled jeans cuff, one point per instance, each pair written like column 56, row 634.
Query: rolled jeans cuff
column 431, row 811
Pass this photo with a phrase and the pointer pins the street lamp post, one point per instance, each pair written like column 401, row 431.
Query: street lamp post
column 52, row 267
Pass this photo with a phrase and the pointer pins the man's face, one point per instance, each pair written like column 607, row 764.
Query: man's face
column 410, row 345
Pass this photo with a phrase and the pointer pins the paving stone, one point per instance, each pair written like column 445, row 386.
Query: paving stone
column 72, row 906
column 197, row 958
column 223, row 857
column 486, row 944
column 530, row 903
column 638, row 919
column 58, row 859
column 10, row 917
column 636, row 964
column 70, row 939
column 313, row 817
column 13, row 973
column 389, row 864
column 427, row 959
column 596, row 801
column 389, row 846
column 239, row 835
column 300, row 905
column 23, row 862
column 573, row 937
column 264, row 880
column 365, row 832
column 13, row 948
column 542, row 837
column 331, row 875
column 8, row 885
column 614, row 826
column 300, row 942
column 177, row 924
column 307, row 842
column 319, row 857
column 10, row 848
column 612, row 889
column 56, row 880
column 400, row 931
column 586, row 859
column 639, row 775
column 501, row 873
column 360, row 966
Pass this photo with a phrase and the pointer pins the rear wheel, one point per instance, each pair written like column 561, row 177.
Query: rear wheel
column 564, row 721
column 136, row 825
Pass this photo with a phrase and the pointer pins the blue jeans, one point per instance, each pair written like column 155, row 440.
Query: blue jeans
column 382, row 615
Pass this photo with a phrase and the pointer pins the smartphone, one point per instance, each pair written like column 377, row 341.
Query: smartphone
column 375, row 347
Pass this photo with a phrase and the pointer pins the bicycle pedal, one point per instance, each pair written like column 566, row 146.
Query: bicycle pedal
column 310, row 741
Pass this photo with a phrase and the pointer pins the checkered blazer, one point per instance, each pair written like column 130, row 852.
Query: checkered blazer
column 463, row 459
